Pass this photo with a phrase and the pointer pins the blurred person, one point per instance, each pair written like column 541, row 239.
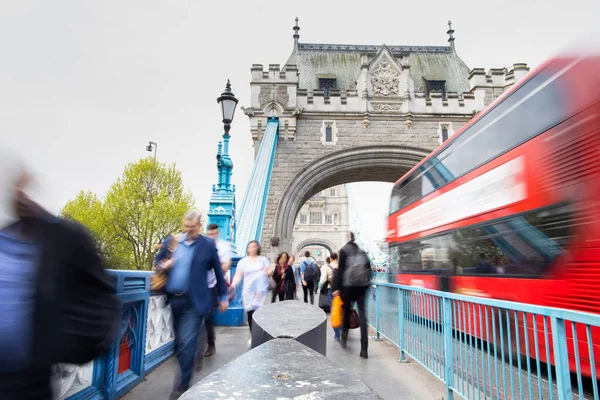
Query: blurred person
column 254, row 271
column 308, row 272
column 57, row 304
column 188, row 291
column 352, row 282
column 224, row 251
column 285, row 283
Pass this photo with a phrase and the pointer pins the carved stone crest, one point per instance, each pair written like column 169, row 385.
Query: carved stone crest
column 385, row 79
column 386, row 107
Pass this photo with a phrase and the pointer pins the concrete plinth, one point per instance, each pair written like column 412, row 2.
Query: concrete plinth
column 281, row 369
column 293, row 320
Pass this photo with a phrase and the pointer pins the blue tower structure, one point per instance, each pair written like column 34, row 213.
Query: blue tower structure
column 222, row 202
column 222, row 209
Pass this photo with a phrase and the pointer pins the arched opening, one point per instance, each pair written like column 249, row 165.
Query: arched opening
column 359, row 164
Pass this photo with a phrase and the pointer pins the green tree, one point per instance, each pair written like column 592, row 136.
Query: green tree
column 146, row 205
column 140, row 209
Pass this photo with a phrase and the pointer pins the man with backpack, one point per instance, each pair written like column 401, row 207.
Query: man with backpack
column 308, row 270
column 352, row 282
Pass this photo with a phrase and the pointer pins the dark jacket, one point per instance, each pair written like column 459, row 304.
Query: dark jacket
column 75, row 311
column 345, row 251
column 205, row 257
column 289, row 283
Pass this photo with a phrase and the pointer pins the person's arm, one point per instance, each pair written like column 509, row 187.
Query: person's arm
column 323, row 277
column 337, row 277
column 160, row 263
column 215, row 264
column 239, row 274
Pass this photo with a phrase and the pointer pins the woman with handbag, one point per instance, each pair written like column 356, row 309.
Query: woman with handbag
column 283, row 275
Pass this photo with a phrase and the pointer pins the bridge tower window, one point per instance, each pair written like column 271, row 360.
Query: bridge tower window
column 316, row 218
column 329, row 219
column 445, row 131
column 332, row 192
column 303, row 219
column 329, row 133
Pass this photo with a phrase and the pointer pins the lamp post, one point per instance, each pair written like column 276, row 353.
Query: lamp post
column 228, row 102
column 152, row 146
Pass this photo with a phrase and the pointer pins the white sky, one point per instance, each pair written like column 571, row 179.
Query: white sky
column 85, row 84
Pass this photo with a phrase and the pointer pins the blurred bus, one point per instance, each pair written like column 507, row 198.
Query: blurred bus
column 507, row 208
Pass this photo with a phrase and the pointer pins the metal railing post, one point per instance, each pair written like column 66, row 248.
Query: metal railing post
column 448, row 354
column 561, row 358
column 377, row 318
column 401, row 338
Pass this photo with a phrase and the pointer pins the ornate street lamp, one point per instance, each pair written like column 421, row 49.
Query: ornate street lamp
column 228, row 102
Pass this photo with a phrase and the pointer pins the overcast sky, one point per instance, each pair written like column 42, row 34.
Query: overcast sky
column 85, row 84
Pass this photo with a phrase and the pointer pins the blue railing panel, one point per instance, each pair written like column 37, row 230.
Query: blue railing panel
column 483, row 348
column 144, row 339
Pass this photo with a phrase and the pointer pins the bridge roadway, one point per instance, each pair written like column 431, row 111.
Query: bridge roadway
column 382, row 372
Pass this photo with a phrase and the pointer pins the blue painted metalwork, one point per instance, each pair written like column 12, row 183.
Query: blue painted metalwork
column 235, row 314
column 221, row 209
column 470, row 343
column 133, row 290
column 252, row 212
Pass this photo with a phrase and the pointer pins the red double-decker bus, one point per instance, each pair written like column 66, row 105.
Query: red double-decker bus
column 508, row 207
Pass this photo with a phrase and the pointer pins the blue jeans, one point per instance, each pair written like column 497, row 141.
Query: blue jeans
column 336, row 331
column 187, row 323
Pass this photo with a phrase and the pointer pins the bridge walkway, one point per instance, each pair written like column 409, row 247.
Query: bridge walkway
column 382, row 372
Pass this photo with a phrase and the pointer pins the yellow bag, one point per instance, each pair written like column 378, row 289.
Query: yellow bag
column 337, row 314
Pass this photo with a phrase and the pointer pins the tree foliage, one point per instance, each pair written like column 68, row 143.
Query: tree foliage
column 145, row 205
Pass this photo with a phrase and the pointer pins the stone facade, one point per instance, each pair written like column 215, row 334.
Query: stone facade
column 326, row 230
column 350, row 113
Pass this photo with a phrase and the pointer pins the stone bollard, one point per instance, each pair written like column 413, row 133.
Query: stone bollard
column 293, row 320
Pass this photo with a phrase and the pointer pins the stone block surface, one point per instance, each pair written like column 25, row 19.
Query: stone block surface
column 281, row 369
column 292, row 320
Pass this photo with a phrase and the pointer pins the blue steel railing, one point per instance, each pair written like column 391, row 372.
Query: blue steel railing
column 144, row 339
column 490, row 349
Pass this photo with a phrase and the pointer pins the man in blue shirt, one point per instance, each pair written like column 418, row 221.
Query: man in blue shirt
column 187, row 289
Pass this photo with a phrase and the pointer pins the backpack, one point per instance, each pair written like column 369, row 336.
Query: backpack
column 310, row 271
column 358, row 269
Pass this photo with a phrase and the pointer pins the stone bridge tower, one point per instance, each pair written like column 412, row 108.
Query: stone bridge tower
column 350, row 113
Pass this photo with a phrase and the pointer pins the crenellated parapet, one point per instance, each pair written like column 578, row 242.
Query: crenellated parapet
column 274, row 93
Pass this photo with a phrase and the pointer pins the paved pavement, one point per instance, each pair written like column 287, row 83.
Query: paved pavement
column 386, row 376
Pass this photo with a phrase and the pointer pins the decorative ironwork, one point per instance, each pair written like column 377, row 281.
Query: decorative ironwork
column 437, row 86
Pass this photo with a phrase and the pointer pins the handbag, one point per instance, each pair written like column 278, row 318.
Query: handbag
column 159, row 279
column 324, row 301
column 354, row 319
column 337, row 313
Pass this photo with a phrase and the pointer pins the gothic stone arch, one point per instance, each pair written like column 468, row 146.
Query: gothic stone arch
column 384, row 163
column 316, row 242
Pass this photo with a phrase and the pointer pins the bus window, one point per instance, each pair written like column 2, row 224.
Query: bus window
column 522, row 245
column 534, row 108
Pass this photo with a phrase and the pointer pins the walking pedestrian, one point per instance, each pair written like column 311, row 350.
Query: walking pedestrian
column 57, row 304
column 352, row 282
column 326, row 284
column 308, row 270
column 255, row 272
column 188, row 292
column 285, row 283
column 224, row 251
